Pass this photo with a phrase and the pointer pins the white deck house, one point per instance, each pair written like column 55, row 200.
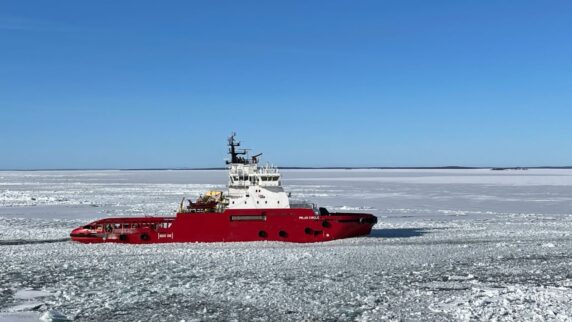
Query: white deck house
column 251, row 186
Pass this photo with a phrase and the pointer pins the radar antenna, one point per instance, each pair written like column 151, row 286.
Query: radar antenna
column 255, row 158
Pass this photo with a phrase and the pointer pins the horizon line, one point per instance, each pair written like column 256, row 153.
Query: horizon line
column 303, row 168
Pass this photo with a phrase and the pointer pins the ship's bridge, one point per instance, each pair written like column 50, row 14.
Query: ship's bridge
column 250, row 174
column 251, row 186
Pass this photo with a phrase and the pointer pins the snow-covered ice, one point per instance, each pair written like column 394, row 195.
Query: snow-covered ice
column 449, row 245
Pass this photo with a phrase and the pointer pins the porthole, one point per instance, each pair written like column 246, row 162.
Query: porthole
column 262, row 234
column 283, row 234
column 308, row 230
column 325, row 224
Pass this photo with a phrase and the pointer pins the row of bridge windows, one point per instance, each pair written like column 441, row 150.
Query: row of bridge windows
column 253, row 178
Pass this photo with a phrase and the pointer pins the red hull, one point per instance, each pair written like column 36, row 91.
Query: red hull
column 233, row 225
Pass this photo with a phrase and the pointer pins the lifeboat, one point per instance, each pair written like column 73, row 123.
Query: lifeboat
column 254, row 208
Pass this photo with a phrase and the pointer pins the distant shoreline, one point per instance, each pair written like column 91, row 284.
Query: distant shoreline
column 300, row 168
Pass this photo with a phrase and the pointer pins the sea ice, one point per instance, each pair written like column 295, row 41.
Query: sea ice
column 449, row 245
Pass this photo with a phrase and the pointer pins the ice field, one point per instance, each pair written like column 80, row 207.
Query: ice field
column 449, row 245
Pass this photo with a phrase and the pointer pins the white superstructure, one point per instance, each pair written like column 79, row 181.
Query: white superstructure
column 251, row 186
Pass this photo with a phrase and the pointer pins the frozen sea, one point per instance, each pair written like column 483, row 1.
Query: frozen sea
column 450, row 245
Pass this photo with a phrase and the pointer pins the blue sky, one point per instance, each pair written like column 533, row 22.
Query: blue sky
column 130, row 84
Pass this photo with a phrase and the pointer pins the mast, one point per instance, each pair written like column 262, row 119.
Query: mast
column 235, row 154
